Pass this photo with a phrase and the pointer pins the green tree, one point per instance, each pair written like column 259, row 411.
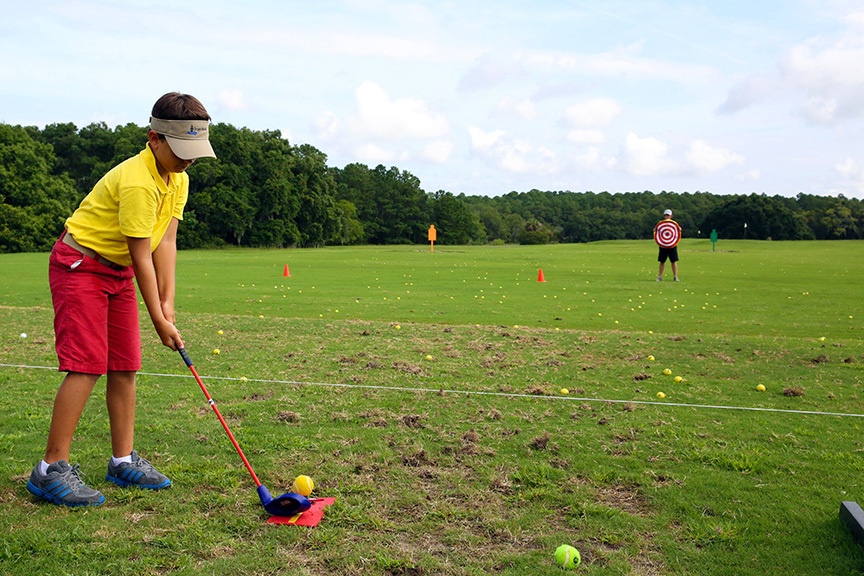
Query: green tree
column 349, row 229
column 756, row 217
column 390, row 203
column 318, row 218
column 454, row 221
column 34, row 202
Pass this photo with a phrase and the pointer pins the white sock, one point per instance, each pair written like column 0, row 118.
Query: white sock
column 125, row 459
column 43, row 467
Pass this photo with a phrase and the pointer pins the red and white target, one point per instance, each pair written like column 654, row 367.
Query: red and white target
column 667, row 234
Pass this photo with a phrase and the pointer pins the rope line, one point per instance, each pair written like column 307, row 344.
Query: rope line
column 477, row 393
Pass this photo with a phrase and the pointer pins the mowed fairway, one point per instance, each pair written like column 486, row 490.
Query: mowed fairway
column 423, row 390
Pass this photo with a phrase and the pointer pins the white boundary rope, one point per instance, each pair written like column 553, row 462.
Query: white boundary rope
column 476, row 393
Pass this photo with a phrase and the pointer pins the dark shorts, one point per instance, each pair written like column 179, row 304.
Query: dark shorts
column 670, row 253
column 95, row 314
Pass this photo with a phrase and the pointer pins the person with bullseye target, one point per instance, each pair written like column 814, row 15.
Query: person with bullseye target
column 667, row 233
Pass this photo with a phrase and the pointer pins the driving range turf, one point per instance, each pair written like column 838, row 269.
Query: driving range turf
column 423, row 390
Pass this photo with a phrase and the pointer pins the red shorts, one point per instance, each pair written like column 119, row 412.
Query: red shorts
column 95, row 314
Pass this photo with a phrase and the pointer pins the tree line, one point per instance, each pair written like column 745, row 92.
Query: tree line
column 262, row 191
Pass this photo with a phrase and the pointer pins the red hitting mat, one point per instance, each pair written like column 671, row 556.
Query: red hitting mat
column 310, row 517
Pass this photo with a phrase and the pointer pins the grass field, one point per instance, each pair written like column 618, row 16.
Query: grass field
column 424, row 391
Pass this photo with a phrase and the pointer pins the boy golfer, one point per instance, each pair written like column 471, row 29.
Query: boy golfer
column 125, row 228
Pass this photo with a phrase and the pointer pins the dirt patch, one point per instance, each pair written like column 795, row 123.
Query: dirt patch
column 625, row 498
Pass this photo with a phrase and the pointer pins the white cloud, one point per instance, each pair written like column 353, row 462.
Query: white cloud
column 645, row 156
column 483, row 141
column 586, row 137
column 625, row 62
column 831, row 76
column 852, row 173
column 384, row 117
column 438, row 151
column 706, row 158
column 847, row 168
column 592, row 113
column 822, row 75
column 749, row 91
column 522, row 108
column 326, row 124
column 489, row 71
column 373, row 153
column 231, row 100
column 512, row 155
column 751, row 176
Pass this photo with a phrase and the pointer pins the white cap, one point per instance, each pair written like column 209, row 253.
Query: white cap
column 667, row 212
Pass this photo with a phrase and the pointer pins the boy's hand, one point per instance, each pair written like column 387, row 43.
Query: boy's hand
column 169, row 335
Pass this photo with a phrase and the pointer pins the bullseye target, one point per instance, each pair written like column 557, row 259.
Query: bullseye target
column 667, row 234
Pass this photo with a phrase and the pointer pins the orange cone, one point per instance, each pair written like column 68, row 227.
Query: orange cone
column 540, row 277
column 286, row 272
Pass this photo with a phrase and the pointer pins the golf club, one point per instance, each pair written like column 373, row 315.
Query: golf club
column 288, row 504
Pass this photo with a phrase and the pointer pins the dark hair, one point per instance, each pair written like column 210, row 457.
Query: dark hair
column 177, row 106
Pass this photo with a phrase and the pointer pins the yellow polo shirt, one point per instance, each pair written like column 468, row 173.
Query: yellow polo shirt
column 131, row 200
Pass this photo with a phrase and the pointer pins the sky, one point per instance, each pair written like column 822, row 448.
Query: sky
column 478, row 97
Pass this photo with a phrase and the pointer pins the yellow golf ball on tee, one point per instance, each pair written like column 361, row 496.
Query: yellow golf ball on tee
column 303, row 485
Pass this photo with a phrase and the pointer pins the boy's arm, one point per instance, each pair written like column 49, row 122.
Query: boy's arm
column 165, row 264
column 145, row 274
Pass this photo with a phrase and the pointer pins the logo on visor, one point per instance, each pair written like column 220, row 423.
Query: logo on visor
column 193, row 131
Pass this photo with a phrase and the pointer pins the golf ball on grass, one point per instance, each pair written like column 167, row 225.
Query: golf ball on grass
column 567, row 557
column 678, row 378
column 23, row 334
column 760, row 387
column 650, row 358
column 428, row 357
column 667, row 371
column 565, row 391
column 216, row 351
column 303, row 485
column 661, row 395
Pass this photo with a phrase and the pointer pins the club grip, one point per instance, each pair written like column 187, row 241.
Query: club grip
column 185, row 357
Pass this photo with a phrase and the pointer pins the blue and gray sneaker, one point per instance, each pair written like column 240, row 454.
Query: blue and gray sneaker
column 62, row 484
column 139, row 473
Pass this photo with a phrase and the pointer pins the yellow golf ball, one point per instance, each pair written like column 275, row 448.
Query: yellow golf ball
column 220, row 332
column 428, row 357
column 303, row 485
column 678, row 378
column 661, row 395
column 667, row 371
column 650, row 358
column 760, row 387
column 216, row 351
column 565, row 391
